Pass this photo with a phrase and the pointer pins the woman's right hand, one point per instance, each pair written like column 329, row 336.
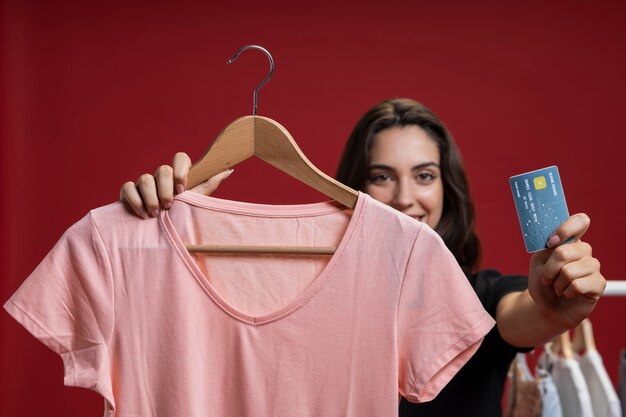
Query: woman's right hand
column 151, row 193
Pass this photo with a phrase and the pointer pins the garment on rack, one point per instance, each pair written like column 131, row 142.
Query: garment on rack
column 550, row 400
column 622, row 381
column 604, row 400
column 572, row 388
column 531, row 395
column 158, row 331
column 524, row 393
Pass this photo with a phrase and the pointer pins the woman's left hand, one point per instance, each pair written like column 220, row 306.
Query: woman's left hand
column 565, row 280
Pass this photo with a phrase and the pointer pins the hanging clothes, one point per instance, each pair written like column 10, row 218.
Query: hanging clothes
column 524, row 394
column 158, row 331
column 531, row 395
column 622, row 381
column 550, row 400
column 571, row 385
column 604, row 399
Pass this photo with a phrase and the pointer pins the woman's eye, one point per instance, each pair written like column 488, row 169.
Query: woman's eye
column 425, row 177
column 379, row 178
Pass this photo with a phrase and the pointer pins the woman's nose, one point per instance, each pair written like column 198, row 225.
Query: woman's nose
column 404, row 197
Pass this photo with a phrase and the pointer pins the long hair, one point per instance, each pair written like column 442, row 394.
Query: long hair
column 456, row 226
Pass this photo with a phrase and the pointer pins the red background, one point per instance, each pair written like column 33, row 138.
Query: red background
column 94, row 95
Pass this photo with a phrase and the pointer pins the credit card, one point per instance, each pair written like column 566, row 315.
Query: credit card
column 540, row 204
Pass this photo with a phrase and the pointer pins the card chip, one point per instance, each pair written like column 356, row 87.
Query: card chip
column 540, row 182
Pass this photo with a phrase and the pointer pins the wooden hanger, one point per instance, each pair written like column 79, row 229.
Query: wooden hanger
column 562, row 345
column 266, row 139
column 583, row 337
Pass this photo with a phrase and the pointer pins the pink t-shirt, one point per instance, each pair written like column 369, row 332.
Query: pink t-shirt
column 160, row 332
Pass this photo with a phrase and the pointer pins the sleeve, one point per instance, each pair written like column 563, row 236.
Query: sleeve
column 441, row 322
column 67, row 303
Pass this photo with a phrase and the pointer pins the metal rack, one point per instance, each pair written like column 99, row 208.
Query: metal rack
column 615, row 288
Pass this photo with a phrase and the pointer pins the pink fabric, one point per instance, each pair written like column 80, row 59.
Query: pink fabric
column 160, row 332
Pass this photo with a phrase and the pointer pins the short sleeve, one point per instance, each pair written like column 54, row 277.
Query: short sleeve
column 441, row 322
column 67, row 303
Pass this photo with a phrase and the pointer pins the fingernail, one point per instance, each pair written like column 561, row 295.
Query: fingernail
column 228, row 172
column 553, row 241
column 180, row 189
column 167, row 205
column 143, row 214
column 154, row 213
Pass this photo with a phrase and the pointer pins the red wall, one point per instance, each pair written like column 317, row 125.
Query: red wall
column 94, row 95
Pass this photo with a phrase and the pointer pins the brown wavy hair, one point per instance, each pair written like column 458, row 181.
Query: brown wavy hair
column 456, row 226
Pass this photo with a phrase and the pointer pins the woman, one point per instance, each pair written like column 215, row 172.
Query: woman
column 402, row 155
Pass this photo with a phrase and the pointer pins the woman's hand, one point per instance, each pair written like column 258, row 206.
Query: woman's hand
column 564, row 285
column 154, row 192
column 565, row 280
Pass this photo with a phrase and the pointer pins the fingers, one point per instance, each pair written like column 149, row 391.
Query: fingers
column 571, row 270
column 150, row 193
column 210, row 185
column 141, row 197
column 591, row 286
column 146, row 185
column 180, row 167
column 165, row 185
column 553, row 260
column 578, row 278
column 574, row 226
column 129, row 195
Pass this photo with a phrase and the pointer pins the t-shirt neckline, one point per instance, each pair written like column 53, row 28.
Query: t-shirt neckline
column 262, row 210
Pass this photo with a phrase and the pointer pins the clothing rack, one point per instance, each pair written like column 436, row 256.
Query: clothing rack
column 615, row 288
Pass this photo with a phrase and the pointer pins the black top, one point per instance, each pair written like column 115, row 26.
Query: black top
column 476, row 390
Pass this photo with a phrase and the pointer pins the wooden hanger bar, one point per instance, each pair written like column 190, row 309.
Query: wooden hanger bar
column 296, row 250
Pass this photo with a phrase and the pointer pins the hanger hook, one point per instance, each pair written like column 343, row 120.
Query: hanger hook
column 269, row 75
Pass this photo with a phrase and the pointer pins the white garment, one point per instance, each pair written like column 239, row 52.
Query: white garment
column 603, row 396
column 550, row 400
column 572, row 388
column 622, row 380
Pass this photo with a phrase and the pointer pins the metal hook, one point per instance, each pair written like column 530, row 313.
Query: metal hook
column 258, row 87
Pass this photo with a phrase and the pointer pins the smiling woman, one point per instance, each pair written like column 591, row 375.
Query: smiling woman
column 405, row 173
column 406, row 141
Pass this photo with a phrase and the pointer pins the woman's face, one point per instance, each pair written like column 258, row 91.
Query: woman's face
column 404, row 173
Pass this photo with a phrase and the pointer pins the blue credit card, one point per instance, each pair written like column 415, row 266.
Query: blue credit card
column 540, row 205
